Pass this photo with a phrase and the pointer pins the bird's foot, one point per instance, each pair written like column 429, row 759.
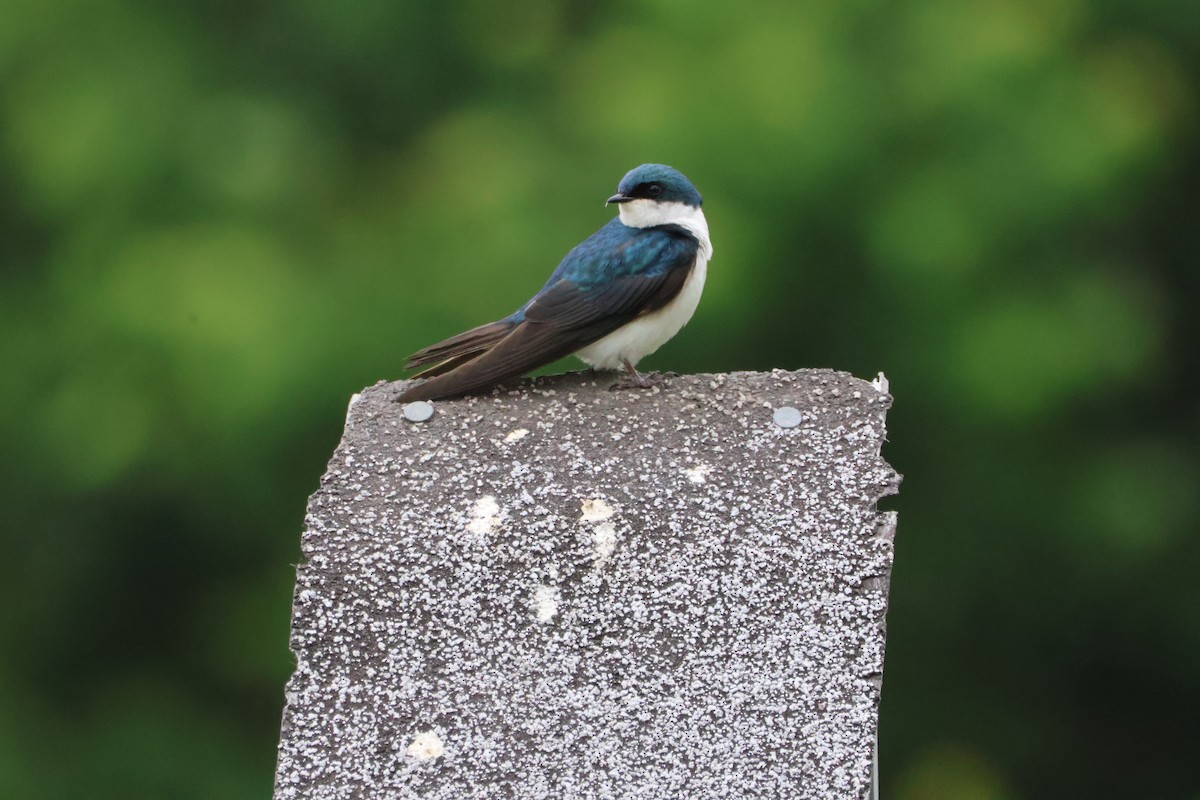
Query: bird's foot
column 640, row 381
column 636, row 380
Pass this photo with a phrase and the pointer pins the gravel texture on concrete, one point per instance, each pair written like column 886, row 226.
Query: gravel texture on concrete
column 560, row 591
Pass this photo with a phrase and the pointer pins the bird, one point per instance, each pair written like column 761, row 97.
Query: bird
column 615, row 298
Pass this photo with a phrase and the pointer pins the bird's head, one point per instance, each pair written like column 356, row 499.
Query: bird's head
column 656, row 183
column 653, row 194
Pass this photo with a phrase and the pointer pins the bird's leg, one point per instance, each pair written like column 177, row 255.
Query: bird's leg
column 635, row 377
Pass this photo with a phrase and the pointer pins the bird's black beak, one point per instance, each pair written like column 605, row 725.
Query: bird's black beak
column 618, row 198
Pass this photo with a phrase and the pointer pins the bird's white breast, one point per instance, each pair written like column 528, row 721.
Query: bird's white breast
column 647, row 333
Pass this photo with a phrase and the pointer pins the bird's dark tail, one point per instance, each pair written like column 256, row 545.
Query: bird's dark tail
column 448, row 355
column 457, row 350
column 509, row 352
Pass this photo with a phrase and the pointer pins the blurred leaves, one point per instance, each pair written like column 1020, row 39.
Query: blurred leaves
column 219, row 221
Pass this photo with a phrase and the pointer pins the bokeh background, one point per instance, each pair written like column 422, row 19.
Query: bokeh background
column 219, row 219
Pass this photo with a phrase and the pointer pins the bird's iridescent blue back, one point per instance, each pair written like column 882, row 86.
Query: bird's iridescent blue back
column 617, row 250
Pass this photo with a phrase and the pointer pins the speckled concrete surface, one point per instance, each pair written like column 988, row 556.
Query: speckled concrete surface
column 566, row 592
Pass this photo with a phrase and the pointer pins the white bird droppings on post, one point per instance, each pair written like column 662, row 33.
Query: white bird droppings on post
column 485, row 516
column 604, row 539
column 545, row 603
column 425, row 746
column 698, row 473
column 516, row 435
column 596, row 510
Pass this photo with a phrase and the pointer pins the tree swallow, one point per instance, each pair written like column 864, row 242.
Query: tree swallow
column 618, row 296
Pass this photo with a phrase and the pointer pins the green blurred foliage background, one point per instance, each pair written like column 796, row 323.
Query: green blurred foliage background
column 218, row 220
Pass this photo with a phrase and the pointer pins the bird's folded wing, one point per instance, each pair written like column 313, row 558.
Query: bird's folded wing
column 567, row 306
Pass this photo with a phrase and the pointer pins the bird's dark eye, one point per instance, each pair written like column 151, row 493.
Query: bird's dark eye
column 654, row 189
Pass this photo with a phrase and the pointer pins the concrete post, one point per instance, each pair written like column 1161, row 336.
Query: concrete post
column 567, row 592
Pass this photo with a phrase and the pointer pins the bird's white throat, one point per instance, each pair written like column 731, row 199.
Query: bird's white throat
column 643, row 213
